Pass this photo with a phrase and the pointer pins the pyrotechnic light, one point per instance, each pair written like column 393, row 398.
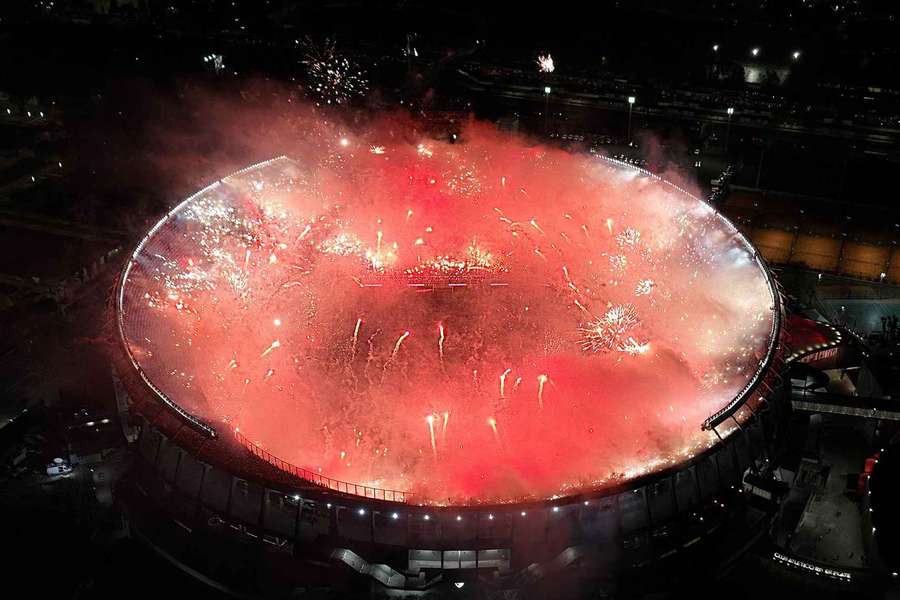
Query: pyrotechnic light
column 334, row 78
column 545, row 64
column 492, row 423
column 503, row 382
column 430, row 420
column 424, row 280
column 542, row 379
column 271, row 347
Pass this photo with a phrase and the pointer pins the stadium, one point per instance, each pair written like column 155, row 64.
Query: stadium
column 433, row 368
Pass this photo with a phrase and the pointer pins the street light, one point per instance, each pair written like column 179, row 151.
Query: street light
column 796, row 55
column 730, row 112
column 631, row 101
column 754, row 51
column 715, row 47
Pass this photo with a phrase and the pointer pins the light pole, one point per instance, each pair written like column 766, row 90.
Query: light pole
column 547, row 91
column 730, row 112
column 762, row 158
column 631, row 100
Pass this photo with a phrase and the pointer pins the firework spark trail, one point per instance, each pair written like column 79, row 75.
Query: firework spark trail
column 542, row 379
column 609, row 225
column 267, row 351
column 390, row 361
column 430, row 420
column 492, row 422
column 397, row 345
column 370, row 356
column 503, row 382
column 355, row 338
column 516, row 384
column 444, row 428
column 441, row 343
column 243, row 404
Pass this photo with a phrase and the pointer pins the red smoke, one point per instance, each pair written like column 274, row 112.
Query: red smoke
column 634, row 307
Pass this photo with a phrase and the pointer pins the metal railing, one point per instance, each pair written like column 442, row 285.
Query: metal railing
column 313, row 477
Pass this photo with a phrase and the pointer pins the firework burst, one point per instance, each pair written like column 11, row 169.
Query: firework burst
column 545, row 63
column 334, row 78
column 607, row 332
